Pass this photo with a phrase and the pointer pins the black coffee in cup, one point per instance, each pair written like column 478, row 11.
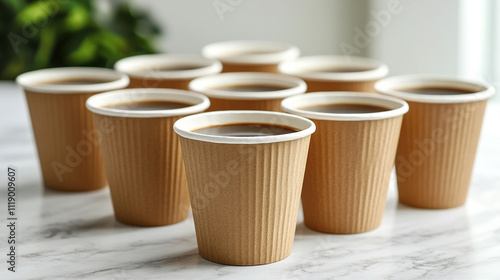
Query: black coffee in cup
column 251, row 87
column 149, row 105
column 75, row 82
column 346, row 108
column 245, row 130
column 436, row 90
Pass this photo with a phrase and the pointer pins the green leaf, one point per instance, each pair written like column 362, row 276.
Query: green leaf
column 14, row 4
column 14, row 68
column 84, row 53
column 77, row 18
column 47, row 41
column 38, row 12
column 112, row 42
column 58, row 33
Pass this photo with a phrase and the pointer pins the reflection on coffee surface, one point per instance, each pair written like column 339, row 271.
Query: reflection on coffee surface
column 345, row 108
column 168, row 68
column 75, row 82
column 245, row 130
column 149, row 105
column 250, row 52
column 251, row 87
column 436, row 90
column 338, row 70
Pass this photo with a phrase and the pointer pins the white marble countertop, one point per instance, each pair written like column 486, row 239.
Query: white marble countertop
column 74, row 235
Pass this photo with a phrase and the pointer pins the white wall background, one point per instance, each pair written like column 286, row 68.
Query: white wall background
column 448, row 37
column 422, row 38
column 316, row 27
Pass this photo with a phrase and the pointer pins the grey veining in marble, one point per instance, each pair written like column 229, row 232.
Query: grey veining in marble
column 66, row 235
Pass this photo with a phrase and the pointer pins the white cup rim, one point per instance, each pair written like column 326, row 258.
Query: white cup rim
column 295, row 104
column 145, row 65
column 36, row 81
column 393, row 85
column 185, row 126
column 303, row 67
column 206, row 84
column 278, row 52
column 96, row 103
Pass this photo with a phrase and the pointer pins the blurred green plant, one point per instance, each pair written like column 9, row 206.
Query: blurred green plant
column 37, row 34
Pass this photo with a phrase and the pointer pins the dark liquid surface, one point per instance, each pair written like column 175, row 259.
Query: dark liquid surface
column 339, row 70
column 436, row 90
column 75, row 82
column 149, row 105
column 345, row 108
column 249, row 52
column 251, row 88
column 245, row 130
column 176, row 68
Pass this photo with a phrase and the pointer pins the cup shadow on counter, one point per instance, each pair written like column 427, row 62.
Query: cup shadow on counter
column 431, row 221
column 302, row 229
column 181, row 261
column 57, row 225
column 68, row 213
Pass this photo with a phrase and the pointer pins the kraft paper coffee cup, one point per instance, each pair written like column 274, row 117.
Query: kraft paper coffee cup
column 350, row 160
column 251, row 56
column 439, row 139
column 65, row 136
column 247, row 100
column 245, row 191
column 158, row 70
column 142, row 154
column 336, row 73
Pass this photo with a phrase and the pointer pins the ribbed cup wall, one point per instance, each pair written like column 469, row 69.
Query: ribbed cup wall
column 347, row 175
column 153, row 82
column 242, row 67
column 436, row 153
column 320, row 85
column 145, row 170
column 67, row 145
column 217, row 104
column 245, row 198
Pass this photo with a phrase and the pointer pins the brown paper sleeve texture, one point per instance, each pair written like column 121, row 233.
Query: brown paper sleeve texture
column 242, row 67
column 436, row 153
column 347, row 175
column 66, row 140
column 245, row 198
column 144, row 166
column 321, row 85
column 152, row 82
column 217, row 104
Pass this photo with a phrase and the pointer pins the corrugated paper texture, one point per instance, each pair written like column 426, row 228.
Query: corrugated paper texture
column 67, row 145
column 217, row 104
column 436, row 153
column 245, row 198
column 153, row 82
column 347, row 175
column 145, row 170
column 320, row 85
column 242, row 67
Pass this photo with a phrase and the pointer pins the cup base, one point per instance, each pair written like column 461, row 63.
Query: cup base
column 145, row 223
column 432, row 206
column 73, row 189
column 225, row 261
column 332, row 229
